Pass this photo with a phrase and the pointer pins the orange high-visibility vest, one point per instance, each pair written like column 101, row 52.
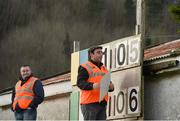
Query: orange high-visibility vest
column 24, row 94
column 95, row 76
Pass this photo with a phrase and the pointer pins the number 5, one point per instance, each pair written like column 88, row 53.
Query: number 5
column 133, row 52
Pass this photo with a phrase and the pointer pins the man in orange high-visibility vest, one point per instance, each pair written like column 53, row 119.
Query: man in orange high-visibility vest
column 88, row 80
column 27, row 95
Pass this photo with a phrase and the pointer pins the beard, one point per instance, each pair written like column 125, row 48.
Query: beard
column 25, row 76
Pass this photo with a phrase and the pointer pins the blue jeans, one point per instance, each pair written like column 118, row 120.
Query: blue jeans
column 28, row 114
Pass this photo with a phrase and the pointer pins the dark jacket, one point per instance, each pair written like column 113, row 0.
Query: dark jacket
column 38, row 92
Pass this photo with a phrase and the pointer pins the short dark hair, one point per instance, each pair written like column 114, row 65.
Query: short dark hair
column 92, row 49
column 25, row 65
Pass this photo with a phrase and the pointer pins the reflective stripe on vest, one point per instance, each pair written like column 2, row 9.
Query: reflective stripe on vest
column 25, row 90
column 24, row 97
column 95, row 76
column 24, row 94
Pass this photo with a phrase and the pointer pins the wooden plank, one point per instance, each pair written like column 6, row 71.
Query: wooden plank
column 74, row 67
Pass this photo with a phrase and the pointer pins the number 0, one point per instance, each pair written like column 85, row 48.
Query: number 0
column 119, row 56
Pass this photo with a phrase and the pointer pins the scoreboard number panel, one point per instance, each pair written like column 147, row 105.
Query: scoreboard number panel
column 122, row 54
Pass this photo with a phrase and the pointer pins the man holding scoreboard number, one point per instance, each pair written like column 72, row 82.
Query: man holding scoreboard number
column 88, row 80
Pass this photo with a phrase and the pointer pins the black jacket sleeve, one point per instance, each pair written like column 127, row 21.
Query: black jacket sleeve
column 82, row 78
column 39, row 94
column 12, row 98
column 13, row 95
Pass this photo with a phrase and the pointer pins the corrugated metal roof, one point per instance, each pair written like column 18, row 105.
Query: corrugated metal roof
column 162, row 51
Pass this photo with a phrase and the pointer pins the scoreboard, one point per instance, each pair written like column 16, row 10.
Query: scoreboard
column 123, row 58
